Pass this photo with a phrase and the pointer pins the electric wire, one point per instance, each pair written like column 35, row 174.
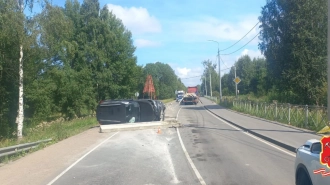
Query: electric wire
column 242, row 46
column 242, row 37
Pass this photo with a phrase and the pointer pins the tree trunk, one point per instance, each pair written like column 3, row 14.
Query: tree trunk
column 20, row 112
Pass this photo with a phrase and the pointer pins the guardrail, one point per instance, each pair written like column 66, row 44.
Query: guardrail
column 7, row 151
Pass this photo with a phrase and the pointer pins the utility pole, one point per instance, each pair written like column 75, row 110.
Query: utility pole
column 328, row 63
column 210, row 83
column 219, row 68
column 219, row 73
column 205, row 85
column 235, row 83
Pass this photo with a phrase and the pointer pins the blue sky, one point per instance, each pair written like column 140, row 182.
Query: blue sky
column 177, row 32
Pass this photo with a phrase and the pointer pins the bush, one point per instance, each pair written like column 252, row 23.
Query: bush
column 215, row 94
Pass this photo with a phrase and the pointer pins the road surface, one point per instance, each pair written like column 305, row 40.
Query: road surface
column 205, row 150
column 218, row 153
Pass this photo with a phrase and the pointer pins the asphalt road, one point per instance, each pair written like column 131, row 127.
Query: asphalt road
column 213, row 152
column 289, row 135
column 225, row 155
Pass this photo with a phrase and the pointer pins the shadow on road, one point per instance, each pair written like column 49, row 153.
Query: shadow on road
column 214, row 107
column 292, row 131
column 193, row 107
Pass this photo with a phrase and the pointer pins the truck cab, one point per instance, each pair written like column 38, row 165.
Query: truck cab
column 179, row 97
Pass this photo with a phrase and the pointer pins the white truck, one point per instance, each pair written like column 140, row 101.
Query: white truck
column 308, row 169
column 179, row 96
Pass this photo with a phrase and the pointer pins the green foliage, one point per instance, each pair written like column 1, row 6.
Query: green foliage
column 56, row 130
column 74, row 56
column 11, row 36
column 293, row 39
column 209, row 68
column 215, row 94
column 164, row 79
column 253, row 75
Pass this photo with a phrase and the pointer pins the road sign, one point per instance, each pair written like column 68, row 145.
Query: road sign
column 237, row 80
column 136, row 94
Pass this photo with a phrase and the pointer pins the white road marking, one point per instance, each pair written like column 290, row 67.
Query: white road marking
column 257, row 138
column 66, row 170
column 175, row 179
column 177, row 115
column 200, row 178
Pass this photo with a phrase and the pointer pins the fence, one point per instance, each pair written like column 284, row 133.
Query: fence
column 303, row 116
column 215, row 99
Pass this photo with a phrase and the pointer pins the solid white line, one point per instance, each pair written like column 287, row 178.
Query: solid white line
column 177, row 115
column 259, row 139
column 66, row 170
column 200, row 178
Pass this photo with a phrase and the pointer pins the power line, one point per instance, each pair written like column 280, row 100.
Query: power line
column 203, row 75
column 241, row 38
column 191, row 77
column 223, row 62
column 226, row 68
column 242, row 46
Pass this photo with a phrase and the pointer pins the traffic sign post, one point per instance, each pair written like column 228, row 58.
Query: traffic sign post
column 237, row 80
column 137, row 94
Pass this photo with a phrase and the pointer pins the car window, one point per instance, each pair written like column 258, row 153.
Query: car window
column 316, row 148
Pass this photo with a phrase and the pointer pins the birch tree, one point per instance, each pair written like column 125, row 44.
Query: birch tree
column 20, row 111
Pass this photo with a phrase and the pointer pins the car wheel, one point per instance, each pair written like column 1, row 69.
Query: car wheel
column 303, row 179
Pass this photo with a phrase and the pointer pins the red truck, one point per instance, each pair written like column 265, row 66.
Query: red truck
column 191, row 97
column 192, row 90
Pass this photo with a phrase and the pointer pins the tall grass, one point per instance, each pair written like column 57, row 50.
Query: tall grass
column 308, row 117
column 57, row 131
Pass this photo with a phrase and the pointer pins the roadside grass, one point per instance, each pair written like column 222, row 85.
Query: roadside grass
column 167, row 100
column 56, row 131
column 295, row 115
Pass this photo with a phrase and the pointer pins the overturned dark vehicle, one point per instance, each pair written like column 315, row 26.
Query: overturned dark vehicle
column 129, row 111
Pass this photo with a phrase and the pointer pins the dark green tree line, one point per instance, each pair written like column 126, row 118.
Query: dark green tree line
column 164, row 78
column 294, row 41
column 74, row 56
column 253, row 75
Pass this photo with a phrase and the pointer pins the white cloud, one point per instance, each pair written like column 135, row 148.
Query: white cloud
column 212, row 28
column 189, row 77
column 251, row 53
column 140, row 43
column 182, row 72
column 136, row 19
